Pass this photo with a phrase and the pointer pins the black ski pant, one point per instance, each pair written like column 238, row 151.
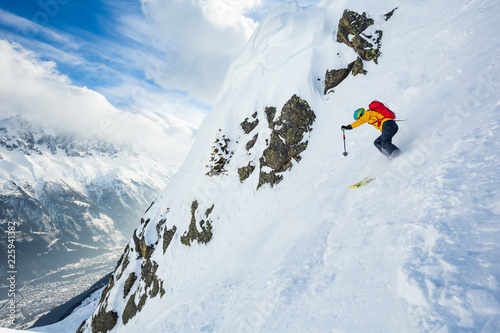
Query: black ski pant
column 384, row 141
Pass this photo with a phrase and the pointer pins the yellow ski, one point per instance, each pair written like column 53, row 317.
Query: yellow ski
column 363, row 182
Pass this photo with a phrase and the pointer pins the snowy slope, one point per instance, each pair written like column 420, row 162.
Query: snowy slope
column 414, row 251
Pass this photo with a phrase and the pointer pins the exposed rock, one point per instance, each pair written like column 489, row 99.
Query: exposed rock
column 144, row 251
column 104, row 321
column 155, row 289
column 357, row 67
column 159, row 225
column 389, row 14
column 335, row 76
column 354, row 24
column 209, row 211
column 286, row 139
column 124, row 264
column 252, row 142
column 106, row 290
column 129, row 283
column 220, row 155
column 249, row 126
column 246, row 171
column 118, row 264
column 351, row 31
column 270, row 178
column 142, row 301
column 204, row 236
column 278, row 154
column 148, row 271
column 295, row 120
column 168, row 234
column 270, row 114
column 162, row 290
column 130, row 309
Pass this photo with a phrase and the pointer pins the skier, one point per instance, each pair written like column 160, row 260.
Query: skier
column 382, row 119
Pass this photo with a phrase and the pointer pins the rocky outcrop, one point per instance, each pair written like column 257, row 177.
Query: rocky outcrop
column 335, row 76
column 220, row 155
column 167, row 237
column 249, row 126
column 104, row 321
column 129, row 283
column 286, row 142
column 205, row 235
column 246, row 171
column 143, row 250
column 352, row 32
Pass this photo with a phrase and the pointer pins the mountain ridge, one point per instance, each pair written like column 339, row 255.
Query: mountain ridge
column 72, row 197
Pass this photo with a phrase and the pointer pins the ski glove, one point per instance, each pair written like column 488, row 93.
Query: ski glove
column 348, row 127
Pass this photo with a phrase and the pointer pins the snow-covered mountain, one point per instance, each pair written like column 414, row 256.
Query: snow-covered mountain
column 71, row 198
column 258, row 230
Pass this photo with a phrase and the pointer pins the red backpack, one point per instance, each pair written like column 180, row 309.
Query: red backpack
column 382, row 109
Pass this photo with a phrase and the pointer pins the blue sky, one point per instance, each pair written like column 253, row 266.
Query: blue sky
column 162, row 60
column 85, row 38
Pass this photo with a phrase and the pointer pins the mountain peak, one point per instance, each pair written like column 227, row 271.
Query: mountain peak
column 18, row 133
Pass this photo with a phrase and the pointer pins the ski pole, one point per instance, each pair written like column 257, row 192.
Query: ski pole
column 345, row 151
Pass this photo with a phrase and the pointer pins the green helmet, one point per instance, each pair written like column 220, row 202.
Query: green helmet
column 358, row 113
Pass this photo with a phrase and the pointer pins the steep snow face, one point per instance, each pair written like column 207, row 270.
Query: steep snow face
column 258, row 230
column 73, row 201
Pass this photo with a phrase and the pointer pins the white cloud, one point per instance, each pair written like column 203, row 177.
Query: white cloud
column 231, row 14
column 35, row 89
column 28, row 28
column 199, row 38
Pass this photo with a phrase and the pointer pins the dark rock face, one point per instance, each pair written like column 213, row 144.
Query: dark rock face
column 143, row 250
column 129, row 283
column 389, row 14
column 351, row 31
column 167, row 237
column 205, row 235
column 220, row 156
column 252, row 142
column 285, row 143
column 249, row 126
column 335, row 76
column 270, row 112
column 104, row 321
column 130, row 309
column 355, row 24
column 246, row 171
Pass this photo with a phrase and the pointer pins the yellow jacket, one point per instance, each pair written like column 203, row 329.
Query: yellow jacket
column 371, row 117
